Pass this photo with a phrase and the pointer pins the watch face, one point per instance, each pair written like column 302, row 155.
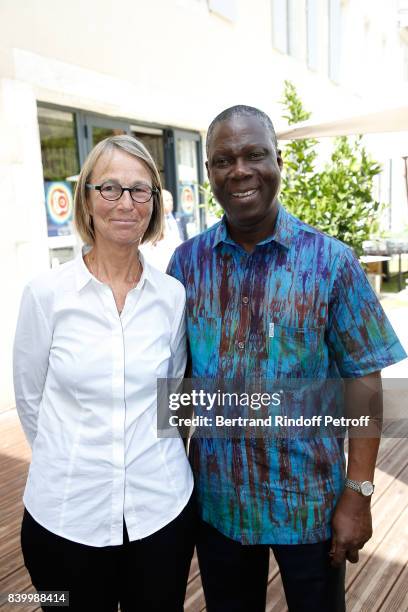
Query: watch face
column 367, row 488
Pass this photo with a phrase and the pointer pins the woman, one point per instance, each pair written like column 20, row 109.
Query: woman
column 108, row 509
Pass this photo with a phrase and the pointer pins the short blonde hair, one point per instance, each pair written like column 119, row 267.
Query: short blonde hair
column 132, row 146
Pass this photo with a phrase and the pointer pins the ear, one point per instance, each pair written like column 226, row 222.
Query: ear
column 208, row 169
column 279, row 158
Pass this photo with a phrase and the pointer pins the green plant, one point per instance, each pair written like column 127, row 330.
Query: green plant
column 210, row 203
column 338, row 199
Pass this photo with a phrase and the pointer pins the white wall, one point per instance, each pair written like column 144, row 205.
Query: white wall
column 23, row 244
column 172, row 62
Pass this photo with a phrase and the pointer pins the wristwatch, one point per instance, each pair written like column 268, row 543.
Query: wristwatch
column 366, row 488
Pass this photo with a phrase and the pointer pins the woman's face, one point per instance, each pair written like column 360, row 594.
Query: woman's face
column 121, row 222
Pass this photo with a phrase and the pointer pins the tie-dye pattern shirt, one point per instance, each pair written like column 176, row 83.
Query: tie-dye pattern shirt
column 312, row 292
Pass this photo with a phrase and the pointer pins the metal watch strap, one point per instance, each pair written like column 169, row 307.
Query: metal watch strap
column 357, row 486
column 352, row 484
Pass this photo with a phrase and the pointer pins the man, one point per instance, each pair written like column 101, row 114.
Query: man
column 269, row 296
column 171, row 230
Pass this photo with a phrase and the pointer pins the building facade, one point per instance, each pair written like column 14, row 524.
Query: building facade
column 72, row 73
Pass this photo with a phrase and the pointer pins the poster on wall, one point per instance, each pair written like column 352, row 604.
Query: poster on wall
column 188, row 207
column 188, row 198
column 59, row 207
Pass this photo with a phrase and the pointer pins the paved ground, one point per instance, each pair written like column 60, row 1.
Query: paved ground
column 396, row 307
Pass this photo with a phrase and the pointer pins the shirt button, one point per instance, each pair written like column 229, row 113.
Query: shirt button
column 245, row 300
column 241, row 345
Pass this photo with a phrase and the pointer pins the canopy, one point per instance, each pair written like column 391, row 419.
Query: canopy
column 390, row 120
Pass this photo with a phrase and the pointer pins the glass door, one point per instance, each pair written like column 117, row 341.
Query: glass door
column 153, row 140
column 97, row 128
column 60, row 161
column 188, row 158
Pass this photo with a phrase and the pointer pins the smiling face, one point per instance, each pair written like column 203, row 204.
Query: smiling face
column 244, row 172
column 122, row 222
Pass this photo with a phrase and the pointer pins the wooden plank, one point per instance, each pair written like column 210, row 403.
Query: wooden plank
column 275, row 596
column 15, row 447
column 388, row 503
column 11, row 562
column 12, row 542
column 390, row 469
column 12, row 491
column 6, row 607
column 12, row 514
column 16, row 582
column 194, row 568
column 376, row 579
column 397, row 599
column 13, row 441
column 5, row 537
column 15, row 484
column 10, row 462
column 194, row 601
column 387, row 446
column 15, row 480
column 385, row 512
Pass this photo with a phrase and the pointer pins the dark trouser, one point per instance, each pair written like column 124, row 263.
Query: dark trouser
column 148, row 575
column 235, row 576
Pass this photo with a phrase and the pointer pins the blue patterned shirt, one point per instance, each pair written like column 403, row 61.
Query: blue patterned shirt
column 326, row 323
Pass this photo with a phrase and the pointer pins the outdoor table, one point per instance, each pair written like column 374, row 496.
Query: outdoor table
column 374, row 265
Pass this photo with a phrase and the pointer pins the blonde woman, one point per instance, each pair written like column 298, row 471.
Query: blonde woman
column 109, row 514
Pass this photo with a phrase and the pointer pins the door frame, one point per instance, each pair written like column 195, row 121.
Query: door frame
column 86, row 123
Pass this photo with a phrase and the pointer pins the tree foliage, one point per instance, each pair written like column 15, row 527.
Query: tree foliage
column 338, row 199
column 210, row 203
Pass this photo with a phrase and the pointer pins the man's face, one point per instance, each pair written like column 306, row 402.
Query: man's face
column 167, row 201
column 244, row 170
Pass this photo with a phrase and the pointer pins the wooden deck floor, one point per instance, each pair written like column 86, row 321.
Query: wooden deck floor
column 378, row 582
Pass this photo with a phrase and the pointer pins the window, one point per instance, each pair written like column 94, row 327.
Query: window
column 60, row 160
column 312, row 34
column 280, row 34
column 289, row 27
column 297, row 29
column 224, row 8
column 59, row 150
column 335, row 17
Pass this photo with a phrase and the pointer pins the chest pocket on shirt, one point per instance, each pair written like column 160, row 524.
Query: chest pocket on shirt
column 295, row 352
column 204, row 339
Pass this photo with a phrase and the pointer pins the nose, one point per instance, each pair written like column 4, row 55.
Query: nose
column 241, row 169
column 125, row 201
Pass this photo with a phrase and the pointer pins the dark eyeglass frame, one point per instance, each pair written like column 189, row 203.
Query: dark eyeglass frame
column 99, row 188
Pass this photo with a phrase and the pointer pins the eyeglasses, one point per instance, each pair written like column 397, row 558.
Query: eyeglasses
column 111, row 191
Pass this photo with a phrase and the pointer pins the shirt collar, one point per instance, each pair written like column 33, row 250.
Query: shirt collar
column 83, row 275
column 282, row 234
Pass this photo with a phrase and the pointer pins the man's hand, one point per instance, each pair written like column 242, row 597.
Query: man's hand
column 352, row 527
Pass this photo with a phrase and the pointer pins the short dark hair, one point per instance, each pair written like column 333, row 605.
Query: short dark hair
column 241, row 110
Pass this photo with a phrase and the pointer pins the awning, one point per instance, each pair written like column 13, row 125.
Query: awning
column 390, row 120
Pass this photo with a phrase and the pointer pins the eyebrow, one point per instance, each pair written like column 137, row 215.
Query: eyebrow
column 249, row 147
column 111, row 180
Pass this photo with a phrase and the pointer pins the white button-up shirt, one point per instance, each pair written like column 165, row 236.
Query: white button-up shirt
column 85, row 383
